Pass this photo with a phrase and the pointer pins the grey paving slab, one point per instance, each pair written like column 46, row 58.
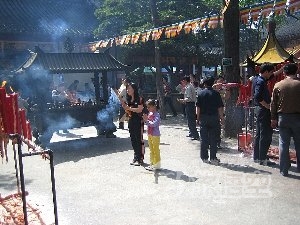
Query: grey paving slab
column 96, row 185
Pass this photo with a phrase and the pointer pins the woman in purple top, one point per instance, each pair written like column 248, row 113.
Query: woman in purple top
column 152, row 121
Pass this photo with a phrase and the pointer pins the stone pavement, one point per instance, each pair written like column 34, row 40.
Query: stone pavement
column 96, row 185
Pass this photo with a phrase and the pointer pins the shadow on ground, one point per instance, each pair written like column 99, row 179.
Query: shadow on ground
column 244, row 168
column 175, row 175
column 76, row 150
column 8, row 182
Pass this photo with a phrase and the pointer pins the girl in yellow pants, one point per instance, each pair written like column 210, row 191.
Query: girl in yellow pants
column 152, row 120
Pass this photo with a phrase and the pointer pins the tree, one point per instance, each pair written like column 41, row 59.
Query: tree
column 232, row 72
column 118, row 17
column 158, row 77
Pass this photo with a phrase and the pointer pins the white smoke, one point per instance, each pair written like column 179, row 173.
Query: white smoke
column 106, row 116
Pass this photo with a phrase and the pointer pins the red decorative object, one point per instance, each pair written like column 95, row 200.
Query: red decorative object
column 8, row 112
column 23, row 123
column 245, row 94
column 17, row 124
column 29, row 133
column 3, row 107
column 244, row 140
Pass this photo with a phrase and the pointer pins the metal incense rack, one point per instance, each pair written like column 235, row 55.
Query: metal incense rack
column 19, row 166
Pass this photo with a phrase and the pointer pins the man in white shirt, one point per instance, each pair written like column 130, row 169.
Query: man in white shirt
column 190, row 107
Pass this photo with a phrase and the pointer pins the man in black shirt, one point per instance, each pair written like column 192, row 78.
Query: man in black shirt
column 210, row 109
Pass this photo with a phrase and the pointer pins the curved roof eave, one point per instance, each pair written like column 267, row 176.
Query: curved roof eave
column 271, row 52
column 72, row 62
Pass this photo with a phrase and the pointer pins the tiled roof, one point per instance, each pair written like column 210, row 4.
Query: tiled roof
column 72, row 62
column 47, row 17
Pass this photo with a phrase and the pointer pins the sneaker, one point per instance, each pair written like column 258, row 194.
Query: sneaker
column 205, row 161
column 133, row 162
column 285, row 174
column 256, row 161
column 217, row 159
column 150, row 168
column 156, row 166
column 195, row 139
column 215, row 162
column 137, row 163
column 267, row 163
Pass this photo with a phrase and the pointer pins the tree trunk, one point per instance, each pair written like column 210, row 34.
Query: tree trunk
column 234, row 115
column 158, row 76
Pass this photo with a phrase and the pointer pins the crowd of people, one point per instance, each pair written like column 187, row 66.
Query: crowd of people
column 203, row 103
column 71, row 94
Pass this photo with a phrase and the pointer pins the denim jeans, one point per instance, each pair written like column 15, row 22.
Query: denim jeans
column 264, row 132
column 289, row 126
column 190, row 109
column 209, row 129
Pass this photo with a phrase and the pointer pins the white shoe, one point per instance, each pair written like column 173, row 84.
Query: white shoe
column 150, row 168
column 156, row 166
column 215, row 162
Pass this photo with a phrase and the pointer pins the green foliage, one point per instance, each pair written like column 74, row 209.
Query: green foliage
column 118, row 17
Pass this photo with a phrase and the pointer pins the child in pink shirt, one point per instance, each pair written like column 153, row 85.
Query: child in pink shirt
column 152, row 120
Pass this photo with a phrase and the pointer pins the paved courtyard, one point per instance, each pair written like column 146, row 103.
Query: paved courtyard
column 95, row 184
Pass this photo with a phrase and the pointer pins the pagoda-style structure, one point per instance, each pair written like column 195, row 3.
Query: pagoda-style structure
column 34, row 78
column 272, row 51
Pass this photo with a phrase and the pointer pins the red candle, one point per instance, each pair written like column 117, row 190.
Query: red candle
column 2, row 107
column 29, row 134
column 15, row 113
column 8, row 112
column 22, row 114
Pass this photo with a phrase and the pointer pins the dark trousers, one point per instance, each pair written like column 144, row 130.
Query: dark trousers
column 190, row 110
column 168, row 101
column 183, row 107
column 135, row 127
column 264, row 132
column 209, row 129
column 289, row 126
column 219, row 134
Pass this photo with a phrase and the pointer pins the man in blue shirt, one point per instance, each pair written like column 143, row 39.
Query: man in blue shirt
column 262, row 100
